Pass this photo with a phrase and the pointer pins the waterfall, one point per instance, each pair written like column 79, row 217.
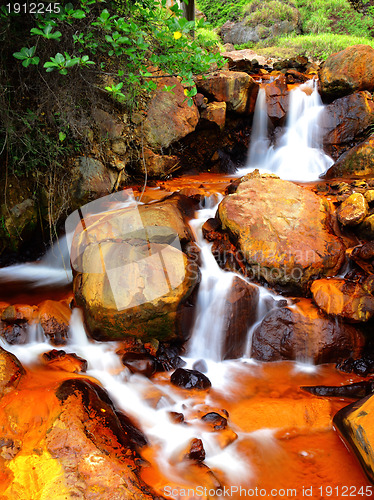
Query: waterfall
column 298, row 154
column 206, row 340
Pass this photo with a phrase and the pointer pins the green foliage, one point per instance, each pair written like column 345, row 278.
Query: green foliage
column 318, row 46
column 78, row 57
column 269, row 12
column 219, row 12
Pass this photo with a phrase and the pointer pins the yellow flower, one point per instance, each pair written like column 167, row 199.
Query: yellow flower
column 177, row 34
column 185, row 92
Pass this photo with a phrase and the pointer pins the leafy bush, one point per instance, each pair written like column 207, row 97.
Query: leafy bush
column 75, row 58
column 318, row 46
column 269, row 12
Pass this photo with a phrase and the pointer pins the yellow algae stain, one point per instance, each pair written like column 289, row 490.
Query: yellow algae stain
column 37, row 477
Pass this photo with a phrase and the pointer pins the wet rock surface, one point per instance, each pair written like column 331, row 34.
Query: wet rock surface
column 358, row 160
column 344, row 299
column 281, row 230
column 238, row 90
column 353, row 210
column 190, row 379
column 354, row 423
column 347, row 71
column 302, row 332
column 146, row 280
column 11, row 372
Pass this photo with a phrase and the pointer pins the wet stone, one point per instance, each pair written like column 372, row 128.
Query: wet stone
column 141, row 363
column 200, row 365
column 196, row 451
column 215, row 420
column 60, row 360
column 190, row 379
column 176, row 417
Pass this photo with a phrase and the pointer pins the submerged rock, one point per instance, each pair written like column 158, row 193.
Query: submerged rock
column 138, row 362
column 347, row 71
column 302, row 332
column 190, row 379
column 355, row 424
column 344, row 299
column 353, row 210
column 282, row 231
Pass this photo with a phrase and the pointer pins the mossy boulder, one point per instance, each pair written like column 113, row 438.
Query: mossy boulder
column 132, row 277
column 358, row 160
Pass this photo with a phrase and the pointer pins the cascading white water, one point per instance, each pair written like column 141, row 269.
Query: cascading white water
column 299, row 155
column 206, row 340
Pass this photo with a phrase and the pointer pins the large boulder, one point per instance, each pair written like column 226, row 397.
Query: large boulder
column 302, row 332
column 238, row 90
column 131, row 276
column 344, row 299
column 343, row 120
column 169, row 117
column 281, row 230
column 358, row 160
column 347, row 71
column 355, row 424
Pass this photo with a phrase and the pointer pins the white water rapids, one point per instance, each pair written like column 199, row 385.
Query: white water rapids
column 296, row 157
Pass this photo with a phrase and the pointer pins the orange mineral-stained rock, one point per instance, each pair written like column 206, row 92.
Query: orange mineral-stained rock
column 344, row 299
column 353, row 210
column 282, row 231
column 11, row 371
column 54, row 318
column 347, row 71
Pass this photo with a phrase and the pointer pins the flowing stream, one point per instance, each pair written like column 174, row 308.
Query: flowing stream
column 150, row 402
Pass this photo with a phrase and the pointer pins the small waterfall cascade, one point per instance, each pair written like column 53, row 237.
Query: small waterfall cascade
column 298, row 155
column 206, row 340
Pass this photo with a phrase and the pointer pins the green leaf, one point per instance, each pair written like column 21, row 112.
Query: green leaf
column 79, row 14
column 62, row 136
column 36, row 31
column 59, row 58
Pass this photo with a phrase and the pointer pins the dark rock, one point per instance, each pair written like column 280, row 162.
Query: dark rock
column 362, row 366
column 190, row 379
column 358, row 160
column 176, row 418
column 355, row 391
column 141, row 363
column 14, row 334
column 302, row 332
column 215, row 420
column 277, row 100
column 240, row 312
column 167, row 358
